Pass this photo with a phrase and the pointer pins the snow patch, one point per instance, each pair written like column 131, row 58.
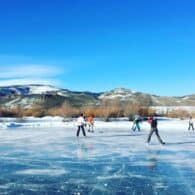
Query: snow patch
column 42, row 89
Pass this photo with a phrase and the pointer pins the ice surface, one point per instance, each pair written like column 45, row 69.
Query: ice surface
column 50, row 159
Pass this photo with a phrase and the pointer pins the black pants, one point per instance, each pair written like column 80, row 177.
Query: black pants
column 157, row 134
column 191, row 125
column 83, row 130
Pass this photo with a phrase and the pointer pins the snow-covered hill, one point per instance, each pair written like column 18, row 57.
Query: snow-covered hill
column 30, row 90
column 29, row 95
column 118, row 93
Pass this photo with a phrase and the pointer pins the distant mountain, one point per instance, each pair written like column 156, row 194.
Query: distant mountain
column 127, row 95
column 28, row 96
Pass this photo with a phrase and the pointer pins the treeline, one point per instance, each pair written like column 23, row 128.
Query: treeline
column 106, row 110
column 114, row 109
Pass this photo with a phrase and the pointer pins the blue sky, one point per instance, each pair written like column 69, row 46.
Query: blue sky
column 98, row 45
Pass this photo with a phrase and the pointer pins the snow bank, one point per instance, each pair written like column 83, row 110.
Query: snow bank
column 48, row 121
column 165, row 109
column 31, row 122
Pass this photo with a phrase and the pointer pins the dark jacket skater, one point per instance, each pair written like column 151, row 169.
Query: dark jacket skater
column 191, row 125
column 136, row 123
column 154, row 128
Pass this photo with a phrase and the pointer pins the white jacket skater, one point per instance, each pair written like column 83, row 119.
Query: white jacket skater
column 80, row 121
column 80, row 124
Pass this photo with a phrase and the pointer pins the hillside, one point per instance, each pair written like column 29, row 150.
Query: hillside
column 28, row 96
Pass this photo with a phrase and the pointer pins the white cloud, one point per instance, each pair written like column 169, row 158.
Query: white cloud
column 26, row 71
column 24, row 81
column 30, row 74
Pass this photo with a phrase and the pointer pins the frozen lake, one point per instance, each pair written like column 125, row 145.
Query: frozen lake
column 112, row 160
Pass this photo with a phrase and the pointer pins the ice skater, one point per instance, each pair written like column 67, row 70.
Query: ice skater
column 90, row 123
column 154, row 129
column 81, row 123
column 136, row 123
column 191, row 124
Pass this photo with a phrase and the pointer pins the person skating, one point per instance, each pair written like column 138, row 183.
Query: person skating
column 154, row 129
column 191, row 124
column 90, row 123
column 136, row 123
column 81, row 123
